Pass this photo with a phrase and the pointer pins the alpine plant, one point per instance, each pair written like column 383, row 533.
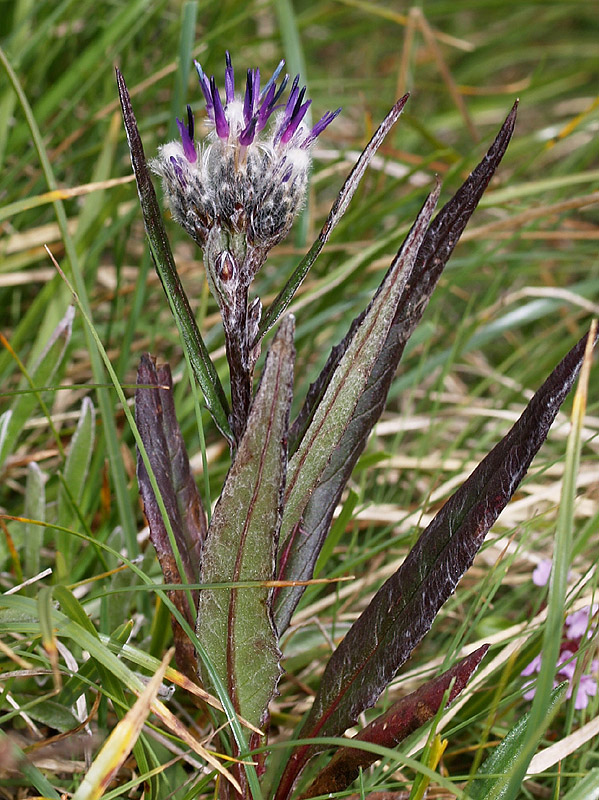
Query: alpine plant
column 236, row 193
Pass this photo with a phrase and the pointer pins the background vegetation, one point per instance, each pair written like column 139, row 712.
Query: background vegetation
column 519, row 291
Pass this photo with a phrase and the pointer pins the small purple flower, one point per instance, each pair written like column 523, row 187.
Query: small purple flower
column 541, row 573
column 587, row 687
column 576, row 630
column 577, row 624
column 249, row 177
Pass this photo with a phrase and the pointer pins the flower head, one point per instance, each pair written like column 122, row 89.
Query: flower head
column 250, row 176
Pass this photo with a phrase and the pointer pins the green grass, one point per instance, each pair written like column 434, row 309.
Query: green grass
column 520, row 289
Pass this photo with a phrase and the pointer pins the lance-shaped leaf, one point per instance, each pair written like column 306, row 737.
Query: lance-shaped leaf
column 403, row 609
column 336, row 213
column 436, row 248
column 204, row 370
column 349, row 380
column 157, row 424
column 235, row 624
column 403, row 718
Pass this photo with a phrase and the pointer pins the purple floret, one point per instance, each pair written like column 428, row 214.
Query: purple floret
column 205, row 87
column 229, row 79
column 187, row 137
column 220, row 121
column 322, row 123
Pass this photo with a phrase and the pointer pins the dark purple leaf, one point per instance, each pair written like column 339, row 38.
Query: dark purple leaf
column 160, row 433
column 346, row 386
column 438, row 244
column 396, row 724
column 204, row 370
column 403, row 609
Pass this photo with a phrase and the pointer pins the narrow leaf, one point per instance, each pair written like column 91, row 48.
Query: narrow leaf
column 41, row 373
column 34, row 508
column 204, row 370
column 490, row 782
column 438, row 244
column 403, row 718
column 339, row 208
column 404, row 608
column 157, row 424
column 235, row 625
column 349, row 380
column 75, row 473
column 336, row 409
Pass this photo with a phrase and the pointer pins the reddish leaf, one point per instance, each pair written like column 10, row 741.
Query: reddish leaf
column 404, row 608
column 436, row 248
column 403, row 718
column 160, row 433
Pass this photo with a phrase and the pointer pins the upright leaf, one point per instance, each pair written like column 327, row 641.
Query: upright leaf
column 35, row 508
column 491, row 780
column 41, row 374
column 157, row 424
column 403, row 718
column 75, row 473
column 235, row 624
column 204, row 370
column 348, row 381
column 435, row 250
column 404, row 608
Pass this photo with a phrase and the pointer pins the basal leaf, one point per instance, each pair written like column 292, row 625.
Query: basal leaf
column 204, row 370
column 404, row 608
column 347, row 383
column 336, row 213
column 435, row 250
column 403, row 718
column 235, row 625
column 157, row 424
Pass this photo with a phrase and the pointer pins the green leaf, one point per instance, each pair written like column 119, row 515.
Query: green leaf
column 344, row 390
column 49, row 712
column 75, row 473
column 587, row 788
column 72, row 608
column 491, row 780
column 40, row 374
column 31, row 773
column 204, row 370
column 34, row 508
column 235, row 625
